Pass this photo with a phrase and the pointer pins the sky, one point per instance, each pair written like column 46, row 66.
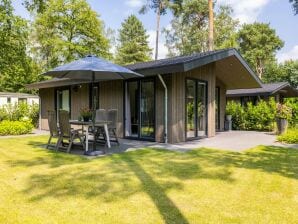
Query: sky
column 278, row 13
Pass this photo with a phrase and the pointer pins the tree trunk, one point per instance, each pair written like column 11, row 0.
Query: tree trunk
column 157, row 32
column 211, row 26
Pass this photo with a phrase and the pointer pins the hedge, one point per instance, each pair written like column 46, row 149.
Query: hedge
column 290, row 137
column 20, row 112
column 259, row 117
column 15, row 127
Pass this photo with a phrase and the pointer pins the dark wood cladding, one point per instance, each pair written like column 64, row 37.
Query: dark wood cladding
column 47, row 97
column 177, row 101
column 111, row 97
column 79, row 99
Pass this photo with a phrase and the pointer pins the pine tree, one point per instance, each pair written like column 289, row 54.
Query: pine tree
column 133, row 42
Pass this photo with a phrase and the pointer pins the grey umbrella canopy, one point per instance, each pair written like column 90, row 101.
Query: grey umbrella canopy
column 92, row 68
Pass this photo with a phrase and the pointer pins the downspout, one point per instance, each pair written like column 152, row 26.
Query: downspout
column 166, row 107
column 39, row 119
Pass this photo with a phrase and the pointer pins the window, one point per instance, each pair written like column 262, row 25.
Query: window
column 22, row 100
column 217, row 108
column 63, row 99
column 140, row 109
column 8, row 100
column 196, row 108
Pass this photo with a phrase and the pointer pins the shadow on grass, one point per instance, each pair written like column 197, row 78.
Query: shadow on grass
column 153, row 171
column 270, row 159
column 166, row 207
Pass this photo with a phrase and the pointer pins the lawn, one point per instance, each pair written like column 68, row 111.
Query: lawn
column 147, row 186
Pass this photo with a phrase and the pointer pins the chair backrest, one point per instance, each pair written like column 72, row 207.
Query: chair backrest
column 52, row 121
column 101, row 115
column 112, row 117
column 64, row 123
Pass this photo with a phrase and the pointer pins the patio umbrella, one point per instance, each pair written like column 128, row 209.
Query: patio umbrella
column 93, row 69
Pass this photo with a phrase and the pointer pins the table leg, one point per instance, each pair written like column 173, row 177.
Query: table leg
column 87, row 142
column 107, row 135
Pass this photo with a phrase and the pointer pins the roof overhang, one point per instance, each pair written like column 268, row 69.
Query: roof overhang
column 55, row 83
column 286, row 90
column 231, row 69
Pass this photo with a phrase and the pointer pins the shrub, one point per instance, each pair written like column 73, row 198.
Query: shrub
column 15, row 127
column 291, row 136
column 19, row 112
column 283, row 111
column 252, row 117
column 293, row 103
column 238, row 115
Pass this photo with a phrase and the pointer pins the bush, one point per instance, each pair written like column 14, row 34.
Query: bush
column 15, row 127
column 293, row 103
column 290, row 137
column 20, row 112
column 238, row 115
column 259, row 117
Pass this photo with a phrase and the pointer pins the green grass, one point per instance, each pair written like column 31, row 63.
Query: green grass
column 291, row 136
column 147, row 186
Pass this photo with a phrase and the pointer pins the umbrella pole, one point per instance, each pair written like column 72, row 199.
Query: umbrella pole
column 93, row 111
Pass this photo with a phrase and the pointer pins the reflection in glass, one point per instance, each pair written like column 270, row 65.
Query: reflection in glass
column 196, row 110
column 132, row 111
column 190, row 105
column 201, row 109
column 147, row 109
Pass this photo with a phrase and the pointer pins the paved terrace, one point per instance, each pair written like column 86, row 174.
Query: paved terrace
column 232, row 140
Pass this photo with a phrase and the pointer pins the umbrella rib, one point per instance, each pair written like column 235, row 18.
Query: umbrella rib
column 65, row 74
column 120, row 75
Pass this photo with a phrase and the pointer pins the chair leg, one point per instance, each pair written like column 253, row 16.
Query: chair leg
column 58, row 143
column 70, row 143
column 49, row 141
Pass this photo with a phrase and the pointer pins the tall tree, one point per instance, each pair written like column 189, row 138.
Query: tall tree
column 160, row 8
column 258, row 44
column 36, row 6
column 16, row 67
column 189, row 28
column 67, row 30
column 283, row 72
column 133, row 42
column 211, row 25
column 295, row 6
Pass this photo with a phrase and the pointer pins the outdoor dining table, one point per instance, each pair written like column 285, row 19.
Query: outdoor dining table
column 88, row 124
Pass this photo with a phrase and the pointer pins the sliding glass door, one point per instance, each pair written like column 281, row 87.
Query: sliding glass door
column 196, row 108
column 63, row 100
column 140, row 109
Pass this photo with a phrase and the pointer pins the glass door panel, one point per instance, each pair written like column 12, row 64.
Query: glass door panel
column 190, row 108
column 217, row 108
column 147, row 109
column 201, row 109
column 132, row 109
column 63, row 100
column 140, row 109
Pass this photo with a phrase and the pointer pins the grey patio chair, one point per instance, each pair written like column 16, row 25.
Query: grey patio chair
column 66, row 132
column 100, row 136
column 112, row 126
column 54, row 130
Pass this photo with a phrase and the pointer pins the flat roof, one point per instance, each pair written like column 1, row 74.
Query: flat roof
column 12, row 94
column 267, row 89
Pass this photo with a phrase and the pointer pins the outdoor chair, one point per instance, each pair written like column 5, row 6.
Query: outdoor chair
column 54, row 130
column 100, row 136
column 112, row 126
column 66, row 132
